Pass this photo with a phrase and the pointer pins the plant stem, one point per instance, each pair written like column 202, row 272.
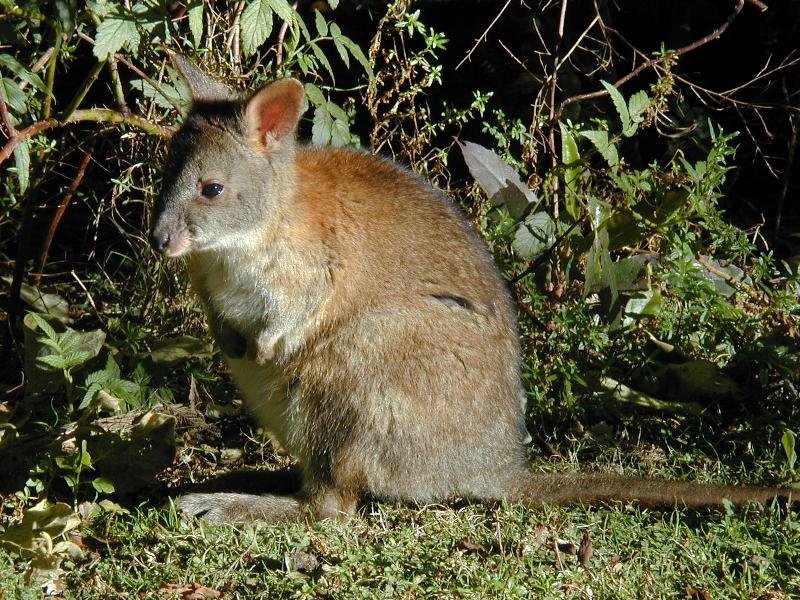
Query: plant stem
column 51, row 72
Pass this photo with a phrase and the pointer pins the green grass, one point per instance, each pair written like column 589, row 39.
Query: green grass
column 473, row 551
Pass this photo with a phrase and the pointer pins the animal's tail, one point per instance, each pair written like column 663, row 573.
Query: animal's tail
column 594, row 488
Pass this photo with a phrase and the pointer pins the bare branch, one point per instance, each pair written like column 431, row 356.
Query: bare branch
column 97, row 115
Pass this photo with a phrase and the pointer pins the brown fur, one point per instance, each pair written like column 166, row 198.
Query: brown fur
column 362, row 319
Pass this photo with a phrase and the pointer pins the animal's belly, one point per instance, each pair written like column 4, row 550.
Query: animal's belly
column 265, row 391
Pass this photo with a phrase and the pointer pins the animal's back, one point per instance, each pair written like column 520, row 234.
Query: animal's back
column 417, row 362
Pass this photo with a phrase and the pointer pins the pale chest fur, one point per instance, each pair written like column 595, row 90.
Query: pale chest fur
column 282, row 291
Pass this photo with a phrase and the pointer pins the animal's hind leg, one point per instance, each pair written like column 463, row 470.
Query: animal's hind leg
column 226, row 507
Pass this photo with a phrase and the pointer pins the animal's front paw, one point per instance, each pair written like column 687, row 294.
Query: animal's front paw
column 231, row 342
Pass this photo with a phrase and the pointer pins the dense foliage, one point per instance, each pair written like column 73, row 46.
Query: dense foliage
column 660, row 321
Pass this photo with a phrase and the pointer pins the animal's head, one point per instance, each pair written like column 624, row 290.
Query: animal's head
column 229, row 164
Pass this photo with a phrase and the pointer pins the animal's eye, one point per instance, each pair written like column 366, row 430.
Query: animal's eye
column 211, row 190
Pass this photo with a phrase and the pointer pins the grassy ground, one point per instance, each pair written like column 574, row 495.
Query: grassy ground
column 469, row 551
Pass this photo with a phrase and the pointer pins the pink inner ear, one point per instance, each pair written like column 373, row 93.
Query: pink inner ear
column 274, row 110
column 270, row 121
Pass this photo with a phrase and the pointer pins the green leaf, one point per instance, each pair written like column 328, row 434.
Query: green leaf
column 492, row 173
column 11, row 63
column 620, row 105
column 103, row 485
column 314, row 95
column 114, row 33
column 333, row 4
column 322, row 128
column 624, row 229
column 320, row 23
column 570, row 158
column 66, row 10
column 284, row 10
column 646, row 305
column 637, row 104
column 196, row 21
column 534, row 236
column 340, row 133
column 44, row 326
column 167, row 97
column 604, row 146
column 255, row 25
column 14, row 97
column 174, row 350
column 337, row 36
column 599, row 267
column 356, row 53
column 788, row 440
column 322, row 59
column 22, row 161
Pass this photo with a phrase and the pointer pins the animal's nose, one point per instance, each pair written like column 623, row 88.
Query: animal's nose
column 160, row 240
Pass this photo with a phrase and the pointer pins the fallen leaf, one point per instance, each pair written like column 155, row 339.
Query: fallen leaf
column 585, row 550
column 698, row 594
column 302, row 562
column 469, row 546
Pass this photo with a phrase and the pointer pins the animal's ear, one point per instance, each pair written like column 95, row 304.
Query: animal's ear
column 204, row 88
column 273, row 111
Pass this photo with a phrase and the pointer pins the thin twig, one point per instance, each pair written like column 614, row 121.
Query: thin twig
column 113, row 72
column 553, row 89
column 38, row 65
column 62, row 208
column 97, row 115
column 51, row 73
column 88, row 297
column 11, row 131
column 482, row 37
column 281, row 37
column 136, row 70
column 660, row 59
column 84, row 89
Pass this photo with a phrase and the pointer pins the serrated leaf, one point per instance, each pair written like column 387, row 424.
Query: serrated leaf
column 114, row 33
column 284, row 10
column 22, row 162
column 340, row 133
column 604, row 146
column 52, row 360
column 534, row 236
column 322, row 127
column 570, row 158
column 620, row 105
column 13, row 65
column 314, row 95
column 44, row 326
column 255, row 25
column 167, row 97
column 356, row 53
column 14, row 97
column 320, row 23
column 491, row 173
column 322, row 59
column 637, row 104
column 196, row 21
column 336, row 35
